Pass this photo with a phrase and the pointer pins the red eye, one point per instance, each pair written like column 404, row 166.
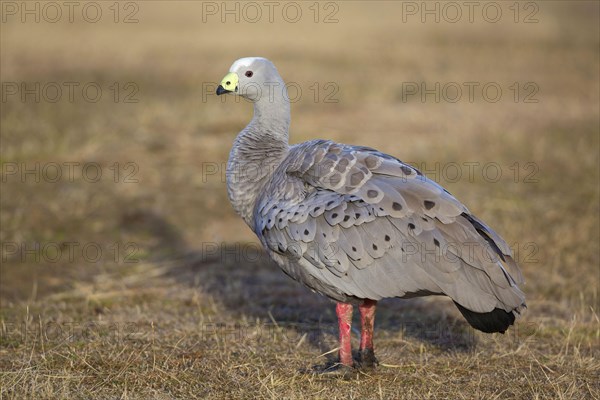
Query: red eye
column 249, row 74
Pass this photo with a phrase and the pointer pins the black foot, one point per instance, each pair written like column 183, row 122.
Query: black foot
column 367, row 359
column 333, row 369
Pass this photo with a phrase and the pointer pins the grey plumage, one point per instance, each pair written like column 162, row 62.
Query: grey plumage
column 353, row 223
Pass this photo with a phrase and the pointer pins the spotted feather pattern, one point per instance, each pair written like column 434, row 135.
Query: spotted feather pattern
column 354, row 223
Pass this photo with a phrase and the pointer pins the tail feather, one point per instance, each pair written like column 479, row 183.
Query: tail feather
column 497, row 320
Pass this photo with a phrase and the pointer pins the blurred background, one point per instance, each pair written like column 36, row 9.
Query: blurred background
column 114, row 208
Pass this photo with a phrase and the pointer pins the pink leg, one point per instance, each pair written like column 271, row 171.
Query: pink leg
column 344, row 313
column 367, row 320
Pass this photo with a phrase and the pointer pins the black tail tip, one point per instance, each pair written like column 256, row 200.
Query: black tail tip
column 496, row 320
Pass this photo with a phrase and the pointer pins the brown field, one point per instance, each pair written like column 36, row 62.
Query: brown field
column 129, row 275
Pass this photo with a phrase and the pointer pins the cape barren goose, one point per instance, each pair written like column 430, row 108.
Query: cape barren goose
column 358, row 225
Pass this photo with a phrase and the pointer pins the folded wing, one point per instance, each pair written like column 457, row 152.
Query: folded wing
column 353, row 222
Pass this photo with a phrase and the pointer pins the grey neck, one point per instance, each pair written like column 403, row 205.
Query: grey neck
column 257, row 151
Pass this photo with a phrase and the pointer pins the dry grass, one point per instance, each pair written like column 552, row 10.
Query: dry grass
column 187, row 322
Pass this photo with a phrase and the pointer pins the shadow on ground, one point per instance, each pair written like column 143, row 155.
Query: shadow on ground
column 246, row 282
